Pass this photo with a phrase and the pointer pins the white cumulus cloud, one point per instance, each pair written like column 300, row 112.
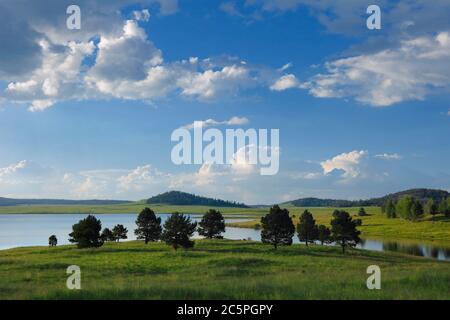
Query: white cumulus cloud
column 285, row 82
column 233, row 121
column 348, row 162
column 409, row 72
column 122, row 62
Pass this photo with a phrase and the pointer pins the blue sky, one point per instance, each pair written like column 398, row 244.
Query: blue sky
column 89, row 113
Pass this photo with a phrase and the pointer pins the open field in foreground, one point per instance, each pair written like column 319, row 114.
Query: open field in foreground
column 218, row 269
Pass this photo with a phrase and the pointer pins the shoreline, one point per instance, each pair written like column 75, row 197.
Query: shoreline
column 412, row 243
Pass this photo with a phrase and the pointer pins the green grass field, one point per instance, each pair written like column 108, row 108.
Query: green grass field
column 134, row 207
column 217, row 269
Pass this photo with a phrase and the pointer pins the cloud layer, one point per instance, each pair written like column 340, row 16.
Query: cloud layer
column 412, row 71
column 233, row 121
column 407, row 60
column 349, row 175
column 113, row 59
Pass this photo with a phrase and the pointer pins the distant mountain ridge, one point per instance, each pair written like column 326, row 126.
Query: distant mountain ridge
column 18, row 202
column 420, row 194
column 184, row 198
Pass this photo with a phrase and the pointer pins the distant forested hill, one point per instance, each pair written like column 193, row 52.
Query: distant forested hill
column 420, row 194
column 18, row 202
column 183, row 198
column 316, row 202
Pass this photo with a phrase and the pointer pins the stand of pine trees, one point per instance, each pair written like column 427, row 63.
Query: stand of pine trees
column 410, row 208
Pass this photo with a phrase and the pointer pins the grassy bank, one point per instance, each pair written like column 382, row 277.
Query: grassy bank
column 222, row 269
column 134, row 207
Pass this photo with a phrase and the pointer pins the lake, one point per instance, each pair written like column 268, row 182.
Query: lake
column 19, row 230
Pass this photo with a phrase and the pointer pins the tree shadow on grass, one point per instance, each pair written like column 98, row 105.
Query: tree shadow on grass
column 313, row 251
column 439, row 218
column 131, row 250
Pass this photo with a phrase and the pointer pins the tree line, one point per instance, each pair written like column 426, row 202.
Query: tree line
column 410, row 208
column 277, row 229
column 176, row 231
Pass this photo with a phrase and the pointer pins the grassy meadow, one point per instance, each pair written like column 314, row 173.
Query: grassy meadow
column 217, row 269
column 133, row 207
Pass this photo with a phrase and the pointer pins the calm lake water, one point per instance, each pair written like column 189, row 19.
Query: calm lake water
column 19, row 230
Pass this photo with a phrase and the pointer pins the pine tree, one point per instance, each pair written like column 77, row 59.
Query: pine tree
column 307, row 229
column 119, row 232
column 431, row 207
column 178, row 229
column 444, row 207
column 212, row 225
column 107, row 235
column 409, row 208
column 86, row 233
column 389, row 209
column 343, row 230
column 404, row 206
column 148, row 226
column 323, row 234
column 416, row 210
column 277, row 227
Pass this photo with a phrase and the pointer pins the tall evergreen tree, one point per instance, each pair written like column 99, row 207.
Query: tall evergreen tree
column 323, row 234
column 431, row 207
column 307, row 229
column 416, row 210
column 119, row 232
column 343, row 230
column 178, row 229
column 277, row 227
column 409, row 208
column 444, row 207
column 86, row 233
column 403, row 207
column 107, row 235
column 148, row 226
column 389, row 209
column 447, row 211
column 212, row 225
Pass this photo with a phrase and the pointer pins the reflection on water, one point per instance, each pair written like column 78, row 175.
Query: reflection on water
column 18, row 230
column 422, row 250
column 417, row 250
